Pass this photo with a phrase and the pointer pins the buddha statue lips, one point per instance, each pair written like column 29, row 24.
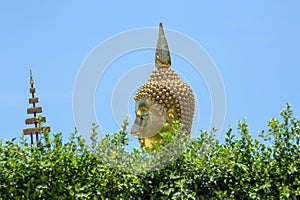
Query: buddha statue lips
column 163, row 98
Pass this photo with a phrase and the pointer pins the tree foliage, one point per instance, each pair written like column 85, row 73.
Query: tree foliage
column 242, row 167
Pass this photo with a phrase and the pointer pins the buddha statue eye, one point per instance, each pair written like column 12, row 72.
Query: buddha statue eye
column 144, row 116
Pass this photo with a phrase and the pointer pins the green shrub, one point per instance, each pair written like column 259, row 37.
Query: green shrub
column 242, row 167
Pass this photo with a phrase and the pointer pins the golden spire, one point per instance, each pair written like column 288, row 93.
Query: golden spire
column 37, row 121
column 162, row 54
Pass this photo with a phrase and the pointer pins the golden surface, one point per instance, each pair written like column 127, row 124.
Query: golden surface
column 148, row 142
column 162, row 54
column 168, row 94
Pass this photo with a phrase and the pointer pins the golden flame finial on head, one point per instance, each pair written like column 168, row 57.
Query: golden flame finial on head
column 31, row 79
column 162, row 54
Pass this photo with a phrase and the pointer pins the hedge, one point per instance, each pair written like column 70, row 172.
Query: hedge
column 241, row 167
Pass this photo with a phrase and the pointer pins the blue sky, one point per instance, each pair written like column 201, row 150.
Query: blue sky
column 255, row 46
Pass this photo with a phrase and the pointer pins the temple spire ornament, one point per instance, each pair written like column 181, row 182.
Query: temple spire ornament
column 31, row 79
column 162, row 54
column 164, row 98
column 37, row 121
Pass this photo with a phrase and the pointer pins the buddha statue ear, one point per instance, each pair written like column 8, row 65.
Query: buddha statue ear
column 171, row 116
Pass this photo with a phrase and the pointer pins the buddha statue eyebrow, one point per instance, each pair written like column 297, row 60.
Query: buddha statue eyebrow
column 142, row 112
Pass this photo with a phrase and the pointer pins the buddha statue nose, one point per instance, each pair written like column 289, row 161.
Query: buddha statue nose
column 136, row 128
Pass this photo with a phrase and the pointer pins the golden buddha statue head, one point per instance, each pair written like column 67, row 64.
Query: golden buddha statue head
column 162, row 99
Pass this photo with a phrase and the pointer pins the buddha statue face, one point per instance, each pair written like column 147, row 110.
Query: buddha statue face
column 162, row 99
column 149, row 120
